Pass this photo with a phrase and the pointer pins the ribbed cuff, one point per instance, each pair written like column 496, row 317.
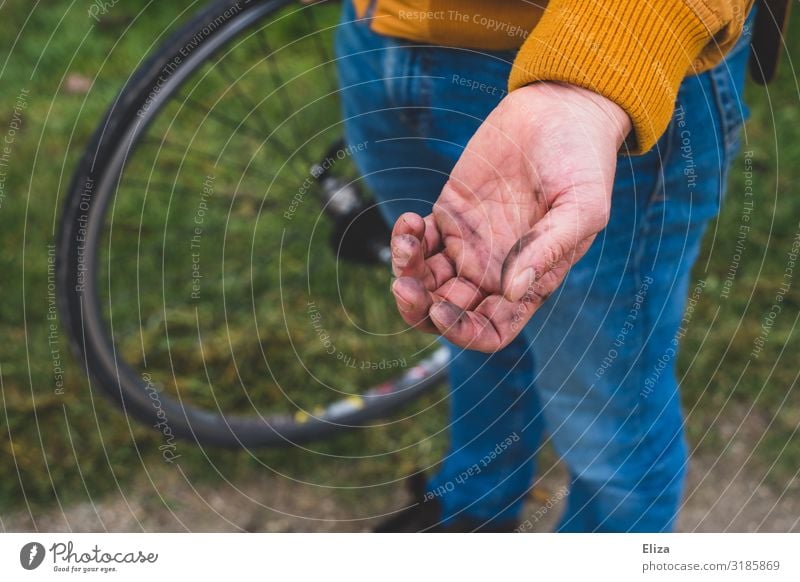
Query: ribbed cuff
column 633, row 52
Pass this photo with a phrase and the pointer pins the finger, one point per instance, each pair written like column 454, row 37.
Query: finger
column 535, row 295
column 496, row 321
column 413, row 303
column 461, row 293
column 558, row 236
column 409, row 223
column 440, row 270
column 424, row 229
column 433, row 238
column 407, row 258
column 464, row 328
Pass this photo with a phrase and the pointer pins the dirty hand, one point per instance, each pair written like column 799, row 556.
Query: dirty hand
column 524, row 202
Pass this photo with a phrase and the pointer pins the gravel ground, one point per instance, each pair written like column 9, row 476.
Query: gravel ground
column 726, row 492
column 715, row 502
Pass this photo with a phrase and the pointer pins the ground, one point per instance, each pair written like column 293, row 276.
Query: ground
column 726, row 493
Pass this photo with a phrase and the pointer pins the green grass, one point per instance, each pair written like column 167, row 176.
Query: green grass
column 249, row 328
column 77, row 445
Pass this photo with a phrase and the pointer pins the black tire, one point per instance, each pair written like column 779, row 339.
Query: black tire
column 90, row 194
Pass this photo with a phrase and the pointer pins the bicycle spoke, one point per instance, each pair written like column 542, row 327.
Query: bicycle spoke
column 237, row 126
column 286, row 101
column 321, row 47
column 236, row 89
column 204, row 269
column 163, row 144
column 167, row 145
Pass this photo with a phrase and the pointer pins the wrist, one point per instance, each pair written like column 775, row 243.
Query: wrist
column 614, row 118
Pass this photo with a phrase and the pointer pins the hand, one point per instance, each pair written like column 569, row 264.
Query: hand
column 522, row 205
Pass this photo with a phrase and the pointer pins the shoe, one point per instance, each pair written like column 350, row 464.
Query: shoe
column 425, row 515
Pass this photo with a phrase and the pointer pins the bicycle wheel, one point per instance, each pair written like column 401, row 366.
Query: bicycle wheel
column 196, row 280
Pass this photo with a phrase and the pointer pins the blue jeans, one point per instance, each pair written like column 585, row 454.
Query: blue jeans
column 595, row 367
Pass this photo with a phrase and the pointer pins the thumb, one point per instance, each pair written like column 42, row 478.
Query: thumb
column 563, row 235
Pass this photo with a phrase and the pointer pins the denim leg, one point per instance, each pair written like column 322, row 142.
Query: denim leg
column 593, row 342
column 412, row 110
column 606, row 343
column 396, row 164
column 495, row 433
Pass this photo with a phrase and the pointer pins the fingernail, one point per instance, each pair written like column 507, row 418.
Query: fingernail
column 400, row 261
column 400, row 257
column 402, row 304
column 444, row 314
column 521, row 284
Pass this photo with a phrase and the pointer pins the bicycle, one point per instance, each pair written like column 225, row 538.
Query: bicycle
column 202, row 156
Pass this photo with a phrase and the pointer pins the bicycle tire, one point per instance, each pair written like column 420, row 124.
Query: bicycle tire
column 85, row 207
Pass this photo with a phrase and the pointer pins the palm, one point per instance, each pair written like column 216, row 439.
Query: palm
column 523, row 204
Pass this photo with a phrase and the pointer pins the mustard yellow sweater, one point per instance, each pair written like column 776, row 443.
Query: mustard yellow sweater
column 635, row 52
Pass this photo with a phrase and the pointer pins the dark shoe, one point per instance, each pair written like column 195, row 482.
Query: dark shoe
column 425, row 515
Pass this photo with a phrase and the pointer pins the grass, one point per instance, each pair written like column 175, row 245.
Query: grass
column 73, row 446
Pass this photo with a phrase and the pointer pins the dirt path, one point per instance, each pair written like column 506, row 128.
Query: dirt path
column 720, row 497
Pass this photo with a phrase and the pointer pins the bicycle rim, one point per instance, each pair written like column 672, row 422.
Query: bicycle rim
column 239, row 343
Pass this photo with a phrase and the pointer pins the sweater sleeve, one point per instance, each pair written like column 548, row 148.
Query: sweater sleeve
column 634, row 52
